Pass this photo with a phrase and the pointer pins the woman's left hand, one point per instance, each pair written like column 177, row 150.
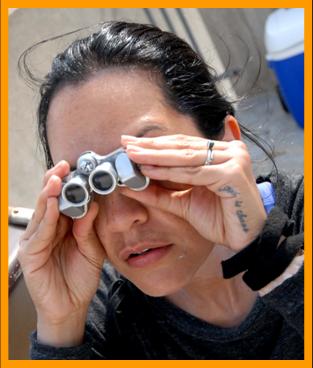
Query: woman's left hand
column 220, row 200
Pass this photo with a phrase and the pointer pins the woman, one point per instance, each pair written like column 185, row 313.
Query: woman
column 194, row 266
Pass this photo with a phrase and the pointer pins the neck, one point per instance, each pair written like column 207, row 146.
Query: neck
column 208, row 296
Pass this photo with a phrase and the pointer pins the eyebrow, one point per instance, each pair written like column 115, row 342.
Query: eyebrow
column 149, row 128
column 141, row 133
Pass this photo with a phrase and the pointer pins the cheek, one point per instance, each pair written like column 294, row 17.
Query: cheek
column 111, row 242
column 101, row 226
column 172, row 185
column 195, row 252
column 101, row 223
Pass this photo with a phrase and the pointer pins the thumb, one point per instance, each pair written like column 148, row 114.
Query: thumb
column 86, row 237
column 175, row 202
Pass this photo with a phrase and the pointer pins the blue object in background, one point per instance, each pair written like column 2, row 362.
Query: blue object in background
column 290, row 75
column 267, row 193
column 284, row 41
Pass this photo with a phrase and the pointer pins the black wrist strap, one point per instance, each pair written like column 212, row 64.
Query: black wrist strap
column 263, row 259
column 262, row 272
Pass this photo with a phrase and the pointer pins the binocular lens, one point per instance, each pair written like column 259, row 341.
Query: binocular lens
column 75, row 193
column 102, row 181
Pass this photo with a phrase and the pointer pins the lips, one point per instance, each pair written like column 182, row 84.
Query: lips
column 144, row 253
column 140, row 248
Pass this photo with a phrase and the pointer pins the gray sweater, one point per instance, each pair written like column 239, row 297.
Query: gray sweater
column 124, row 323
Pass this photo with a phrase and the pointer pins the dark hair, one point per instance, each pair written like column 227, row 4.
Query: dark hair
column 188, row 84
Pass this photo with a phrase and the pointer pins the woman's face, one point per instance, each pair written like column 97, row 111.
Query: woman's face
column 93, row 116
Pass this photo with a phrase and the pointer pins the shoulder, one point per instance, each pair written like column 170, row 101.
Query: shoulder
column 100, row 309
column 113, row 289
column 108, row 281
column 109, row 273
column 289, row 195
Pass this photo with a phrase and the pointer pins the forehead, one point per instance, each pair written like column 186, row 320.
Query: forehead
column 94, row 114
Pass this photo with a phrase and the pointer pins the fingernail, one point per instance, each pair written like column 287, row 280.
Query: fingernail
column 54, row 179
column 129, row 138
column 61, row 162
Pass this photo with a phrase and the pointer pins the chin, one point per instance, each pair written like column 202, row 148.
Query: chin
column 157, row 292
column 160, row 288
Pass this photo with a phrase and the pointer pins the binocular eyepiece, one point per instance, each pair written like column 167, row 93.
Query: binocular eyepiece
column 99, row 174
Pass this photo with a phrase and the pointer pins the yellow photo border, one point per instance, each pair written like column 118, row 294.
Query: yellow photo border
column 5, row 6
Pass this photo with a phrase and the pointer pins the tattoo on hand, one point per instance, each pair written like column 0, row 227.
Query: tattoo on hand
column 228, row 189
column 241, row 216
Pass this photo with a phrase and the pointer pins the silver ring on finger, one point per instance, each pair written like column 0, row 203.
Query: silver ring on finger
column 210, row 153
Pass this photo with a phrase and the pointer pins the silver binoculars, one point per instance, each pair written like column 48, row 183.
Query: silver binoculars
column 99, row 174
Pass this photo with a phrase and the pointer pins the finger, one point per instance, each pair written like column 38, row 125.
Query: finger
column 45, row 234
column 61, row 169
column 178, row 141
column 194, row 175
column 52, row 189
column 65, row 225
column 215, row 177
column 175, row 157
column 86, row 237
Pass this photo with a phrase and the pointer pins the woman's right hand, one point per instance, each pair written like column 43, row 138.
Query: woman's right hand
column 61, row 261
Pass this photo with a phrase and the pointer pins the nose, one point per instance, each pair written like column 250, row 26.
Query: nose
column 122, row 213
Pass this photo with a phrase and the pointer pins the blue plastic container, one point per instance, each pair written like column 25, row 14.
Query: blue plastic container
column 284, row 41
